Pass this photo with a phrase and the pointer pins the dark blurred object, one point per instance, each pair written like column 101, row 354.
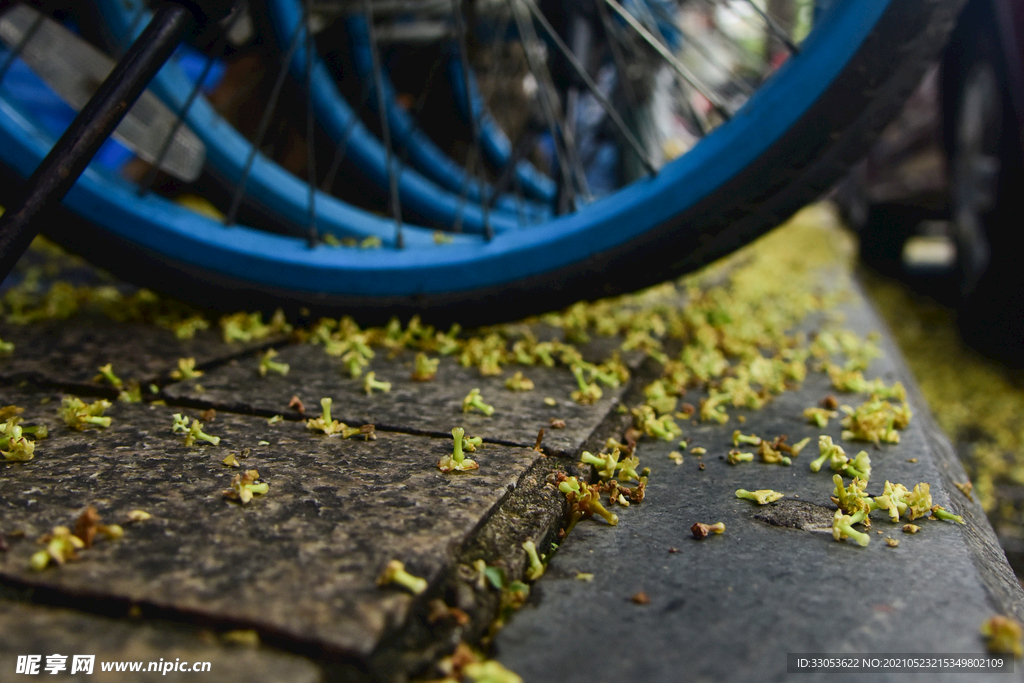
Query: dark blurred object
column 939, row 200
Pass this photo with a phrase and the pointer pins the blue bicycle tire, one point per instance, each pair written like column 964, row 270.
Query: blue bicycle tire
column 789, row 142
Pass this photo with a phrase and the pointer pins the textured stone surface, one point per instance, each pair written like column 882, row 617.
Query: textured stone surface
column 433, row 407
column 300, row 562
column 731, row 607
column 27, row 629
column 68, row 352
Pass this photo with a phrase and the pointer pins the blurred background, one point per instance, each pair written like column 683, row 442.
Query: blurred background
column 936, row 205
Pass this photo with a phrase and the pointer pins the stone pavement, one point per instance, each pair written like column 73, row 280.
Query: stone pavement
column 299, row 565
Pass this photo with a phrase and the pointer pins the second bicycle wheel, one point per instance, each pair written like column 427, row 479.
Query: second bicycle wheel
column 761, row 161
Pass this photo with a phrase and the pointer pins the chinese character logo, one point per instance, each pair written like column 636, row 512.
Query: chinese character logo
column 28, row 664
column 82, row 664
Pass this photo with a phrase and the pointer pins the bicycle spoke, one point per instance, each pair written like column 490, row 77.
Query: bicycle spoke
column 342, row 147
column 20, row 47
column 378, row 78
column 509, row 171
column 415, row 111
column 421, row 100
column 311, row 232
column 749, row 21
column 179, row 120
column 616, row 42
column 487, row 89
column 775, row 29
column 649, row 22
column 700, row 47
column 571, row 148
column 264, row 124
column 671, row 59
column 474, row 121
column 568, row 122
column 614, row 45
column 592, row 88
column 527, row 34
column 519, row 197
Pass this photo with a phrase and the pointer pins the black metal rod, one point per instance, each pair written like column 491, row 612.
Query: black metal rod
column 71, row 155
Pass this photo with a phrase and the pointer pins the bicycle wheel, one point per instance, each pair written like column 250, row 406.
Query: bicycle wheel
column 784, row 145
column 283, row 194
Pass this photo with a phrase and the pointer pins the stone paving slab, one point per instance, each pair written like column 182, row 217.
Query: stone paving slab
column 68, row 352
column 299, row 563
column 731, row 607
column 27, row 629
column 426, row 407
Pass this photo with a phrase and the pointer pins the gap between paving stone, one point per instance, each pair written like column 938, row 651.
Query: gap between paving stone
column 534, row 511
column 67, row 353
column 432, row 407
